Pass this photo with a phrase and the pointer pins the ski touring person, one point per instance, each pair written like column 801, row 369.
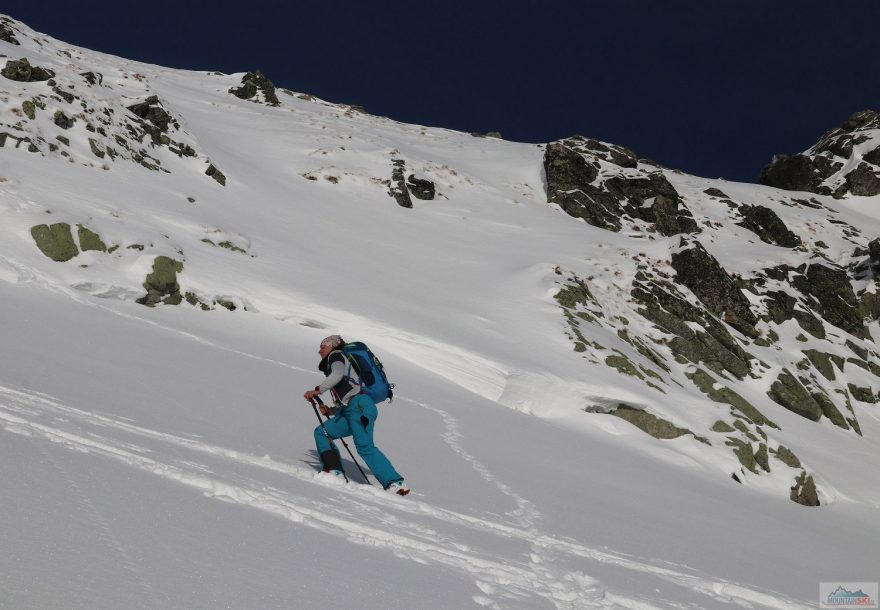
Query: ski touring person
column 354, row 415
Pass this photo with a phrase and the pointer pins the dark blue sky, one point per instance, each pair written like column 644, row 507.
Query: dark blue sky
column 712, row 87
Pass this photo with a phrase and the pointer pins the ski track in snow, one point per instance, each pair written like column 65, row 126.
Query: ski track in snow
column 512, row 581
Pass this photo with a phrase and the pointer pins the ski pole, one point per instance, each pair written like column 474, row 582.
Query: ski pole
column 344, row 444
column 327, row 434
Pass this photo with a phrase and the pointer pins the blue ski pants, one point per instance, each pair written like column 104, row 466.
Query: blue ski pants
column 358, row 419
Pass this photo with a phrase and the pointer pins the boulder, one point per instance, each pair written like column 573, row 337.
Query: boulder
column 89, row 240
column 216, row 174
column 21, row 70
column 55, row 241
column 62, row 120
column 161, row 283
column 804, row 490
column 420, row 189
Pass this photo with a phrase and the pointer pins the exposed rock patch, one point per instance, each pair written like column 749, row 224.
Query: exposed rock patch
column 767, row 225
column 21, row 70
column 161, row 283
column 603, row 185
column 254, row 83
column 55, row 241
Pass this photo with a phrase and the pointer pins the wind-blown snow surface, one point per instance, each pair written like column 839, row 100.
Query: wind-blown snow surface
column 162, row 457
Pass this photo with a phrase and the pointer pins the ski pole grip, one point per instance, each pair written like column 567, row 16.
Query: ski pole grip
column 318, row 399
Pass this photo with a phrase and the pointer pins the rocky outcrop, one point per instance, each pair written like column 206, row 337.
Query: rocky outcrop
column 716, row 289
column 834, row 297
column 420, row 189
column 89, row 240
column 161, row 284
column 398, row 189
column 788, row 392
column 650, row 424
column 799, row 173
column 664, row 305
column 155, row 118
column 253, row 84
column 823, row 168
column 605, row 186
column 7, row 34
column 62, row 120
column 216, row 174
column 55, row 241
column 804, row 490
column 21, row 70
column 765, row 223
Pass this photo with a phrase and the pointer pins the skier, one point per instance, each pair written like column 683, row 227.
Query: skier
column 354, row 415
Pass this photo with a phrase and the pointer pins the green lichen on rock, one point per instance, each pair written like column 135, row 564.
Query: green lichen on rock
column 722, row 427
column 789, row 393
column 96, row 150
column 89, row 240
column 193, row 299
column 623, row 364
column 822, row 362
column 29, row 109
column 55, row 241
column 161, row 284
column 744, row 453
column 804, row 490
column 574, row 294
column 762, row 458
column 862, row 393
column 216, row 174
column 651, row 424
column 829, row 410
column 707, row 384
column 786, row 456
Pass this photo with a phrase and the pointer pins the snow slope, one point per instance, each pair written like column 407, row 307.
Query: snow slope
column 162, row 457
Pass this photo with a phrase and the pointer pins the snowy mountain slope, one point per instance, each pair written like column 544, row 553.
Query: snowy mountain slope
column 122, row 424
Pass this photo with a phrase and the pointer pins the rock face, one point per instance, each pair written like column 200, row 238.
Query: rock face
column 606, row 186
column 833, row 293
column 21, row 70
column 765, row 223
column 823, row 168
column 7, row 33
column 716, row 289
column 254, row 83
